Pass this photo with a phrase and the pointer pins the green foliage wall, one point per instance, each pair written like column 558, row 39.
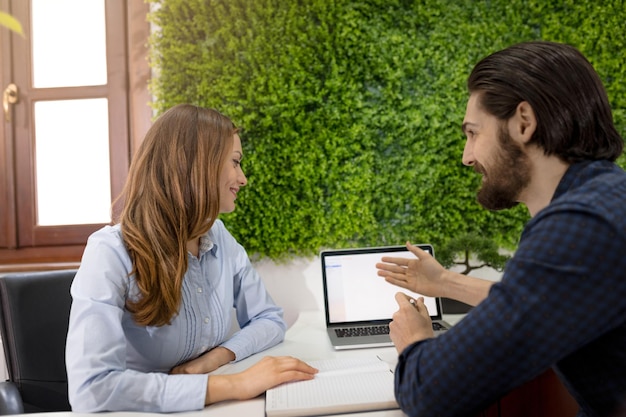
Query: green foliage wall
column 350, row 111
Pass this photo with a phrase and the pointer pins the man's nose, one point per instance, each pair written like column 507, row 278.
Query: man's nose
column 468, row 154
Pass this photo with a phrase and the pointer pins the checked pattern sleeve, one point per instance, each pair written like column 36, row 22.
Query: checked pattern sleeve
column 561, row 302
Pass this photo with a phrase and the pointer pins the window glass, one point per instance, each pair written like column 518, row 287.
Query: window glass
column 69, row 43
column 72, row 162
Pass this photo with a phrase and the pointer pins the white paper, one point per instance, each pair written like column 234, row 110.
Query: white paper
column 342, row 385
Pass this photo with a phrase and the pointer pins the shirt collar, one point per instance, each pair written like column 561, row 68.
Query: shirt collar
column 207, row 244
column 578, row 174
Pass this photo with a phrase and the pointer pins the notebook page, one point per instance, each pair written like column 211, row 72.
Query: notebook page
column 342, row 385
column 330, row 367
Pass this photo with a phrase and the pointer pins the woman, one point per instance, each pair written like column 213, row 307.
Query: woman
column 153, row 296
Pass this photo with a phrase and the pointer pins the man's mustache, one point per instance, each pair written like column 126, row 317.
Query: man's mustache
column 478, row 168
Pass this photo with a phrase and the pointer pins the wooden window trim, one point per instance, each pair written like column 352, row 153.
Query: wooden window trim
column 136, row 31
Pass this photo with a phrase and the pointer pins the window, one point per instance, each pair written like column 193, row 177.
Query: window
column 81, row 78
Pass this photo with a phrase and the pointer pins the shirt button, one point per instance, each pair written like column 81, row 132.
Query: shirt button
column 199, row 289
column 206, row 319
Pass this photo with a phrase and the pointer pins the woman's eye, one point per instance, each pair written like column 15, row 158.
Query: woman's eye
column 236, row 162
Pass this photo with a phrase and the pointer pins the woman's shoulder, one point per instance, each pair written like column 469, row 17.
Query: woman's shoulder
column 108, row 235
column 220, row 235
column 218, row 224
column 105, row 263
column 107, row 243
column 219, row 231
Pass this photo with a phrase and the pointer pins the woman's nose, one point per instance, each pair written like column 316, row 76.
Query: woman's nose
column 242, row 179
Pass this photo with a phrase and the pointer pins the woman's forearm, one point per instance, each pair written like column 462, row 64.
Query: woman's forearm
column 220, row 388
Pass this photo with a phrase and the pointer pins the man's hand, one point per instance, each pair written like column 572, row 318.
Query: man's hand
column 410, row 323
column 421, row 274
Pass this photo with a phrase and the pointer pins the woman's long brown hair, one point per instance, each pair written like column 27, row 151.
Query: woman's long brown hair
column 171, row 196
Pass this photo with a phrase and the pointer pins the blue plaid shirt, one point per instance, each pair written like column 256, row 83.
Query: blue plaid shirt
column 561, row 303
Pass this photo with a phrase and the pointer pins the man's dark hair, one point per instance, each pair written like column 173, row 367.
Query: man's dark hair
column 574, row 120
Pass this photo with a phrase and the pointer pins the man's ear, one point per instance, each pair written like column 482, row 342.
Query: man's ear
column 523, row 123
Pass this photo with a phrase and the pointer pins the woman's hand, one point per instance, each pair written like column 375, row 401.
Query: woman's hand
column 421, row 275
column 265, row 374
column 206, row 363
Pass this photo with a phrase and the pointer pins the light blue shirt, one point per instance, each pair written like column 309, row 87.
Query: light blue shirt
column 113, row 364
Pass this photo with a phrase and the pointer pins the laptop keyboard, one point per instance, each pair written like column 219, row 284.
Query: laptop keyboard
column 373, row 330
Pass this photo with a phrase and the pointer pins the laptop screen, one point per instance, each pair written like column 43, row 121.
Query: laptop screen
column 353, row 290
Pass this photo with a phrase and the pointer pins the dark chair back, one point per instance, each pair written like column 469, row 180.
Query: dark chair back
column 34, row 318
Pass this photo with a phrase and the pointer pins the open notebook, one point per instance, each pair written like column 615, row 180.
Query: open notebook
column 358, row 303
column 343, row 385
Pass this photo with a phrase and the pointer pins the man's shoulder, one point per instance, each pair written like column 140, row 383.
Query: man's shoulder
column 596, row 184
column 591, row 193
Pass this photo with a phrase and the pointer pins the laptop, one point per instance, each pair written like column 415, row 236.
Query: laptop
column 359, row 304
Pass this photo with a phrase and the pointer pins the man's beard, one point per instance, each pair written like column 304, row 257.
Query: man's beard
column 506, row 179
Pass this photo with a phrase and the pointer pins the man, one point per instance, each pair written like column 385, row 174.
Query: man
column 540, row 132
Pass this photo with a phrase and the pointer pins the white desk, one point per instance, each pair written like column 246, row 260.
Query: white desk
column 306, row 339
